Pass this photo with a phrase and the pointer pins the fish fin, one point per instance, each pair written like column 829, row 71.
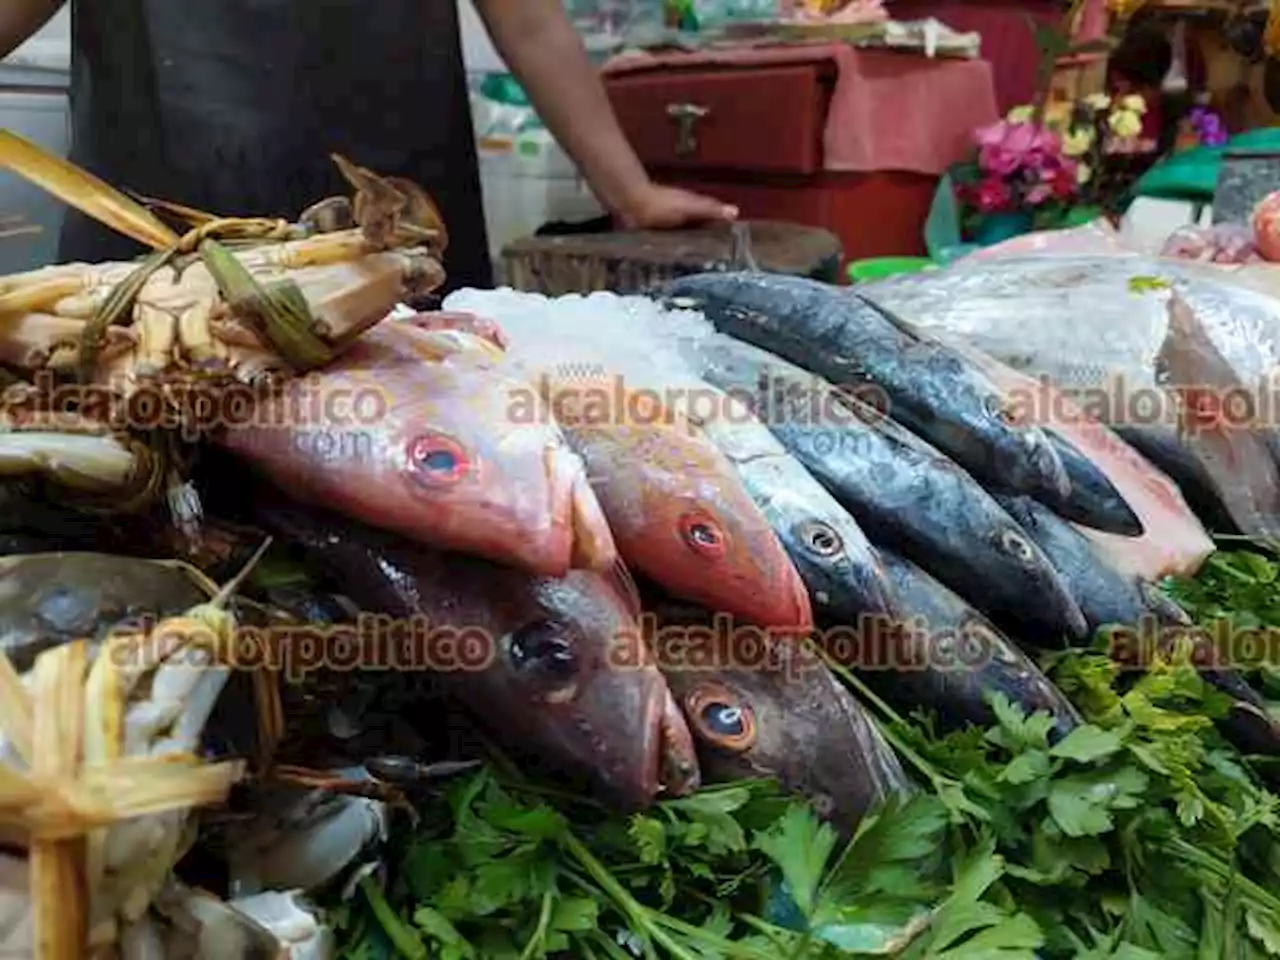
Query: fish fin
column 1236, row 455
column 619, row 577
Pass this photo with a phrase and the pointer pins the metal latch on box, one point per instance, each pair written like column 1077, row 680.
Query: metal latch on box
column 686, row 115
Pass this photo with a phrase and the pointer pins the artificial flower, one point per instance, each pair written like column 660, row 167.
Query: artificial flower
column 1022, row 114
column 1077, row 142
column 1208, row 127
column 1066, row 182
column 1133, row 103
column 1084, row 173
column 1097, row 101
column 992, row 194
column 1058, row 114
column 1125, row 123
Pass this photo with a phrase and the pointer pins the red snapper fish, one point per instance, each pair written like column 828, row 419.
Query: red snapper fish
column 408, row 434
column 678, row 512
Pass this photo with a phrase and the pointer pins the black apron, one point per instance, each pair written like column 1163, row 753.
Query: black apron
column 234, row 106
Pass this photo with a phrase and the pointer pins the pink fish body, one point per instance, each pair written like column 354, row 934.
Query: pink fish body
column 398, row 437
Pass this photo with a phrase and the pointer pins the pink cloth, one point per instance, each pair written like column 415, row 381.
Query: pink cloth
column 889, row 111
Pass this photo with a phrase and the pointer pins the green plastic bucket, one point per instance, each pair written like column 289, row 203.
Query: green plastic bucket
column 877, row 268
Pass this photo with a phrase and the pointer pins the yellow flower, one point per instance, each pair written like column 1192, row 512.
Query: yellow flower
column 1084, row 173
column 1125, row 123
column 1134, row 104
column 1077, row 142
column 1021, row 114
column 1057, row 115
column 1097, row 101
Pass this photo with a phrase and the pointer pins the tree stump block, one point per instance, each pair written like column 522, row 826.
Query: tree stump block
column 633, row 261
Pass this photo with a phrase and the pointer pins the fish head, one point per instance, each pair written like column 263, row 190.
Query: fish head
column 841, row 570
column 1025, row 454
column 682, row 518
column 579, row 688
column 713, row 545
column 788, row 719
column 1007, row 538
column 464, row 456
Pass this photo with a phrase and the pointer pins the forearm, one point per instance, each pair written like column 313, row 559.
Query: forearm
column 544, row 51
column 19, row 19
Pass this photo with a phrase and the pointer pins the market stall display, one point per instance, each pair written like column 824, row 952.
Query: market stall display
column 644, row 554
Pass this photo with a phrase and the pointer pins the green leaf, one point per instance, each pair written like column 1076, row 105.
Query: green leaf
column 1087, row 744
column 575, row 914
column 650, row 838
column 1015, row 938
column 1026, row 768
column 1078, row 810
column 800, row 845
column 437, row 926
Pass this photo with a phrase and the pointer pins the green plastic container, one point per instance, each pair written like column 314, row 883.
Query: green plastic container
column 878, row 268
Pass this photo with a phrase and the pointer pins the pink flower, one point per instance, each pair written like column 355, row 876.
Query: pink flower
column 992, row 195
column 1005, row 148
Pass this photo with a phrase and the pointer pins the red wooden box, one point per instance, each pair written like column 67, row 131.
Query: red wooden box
column 752, row 136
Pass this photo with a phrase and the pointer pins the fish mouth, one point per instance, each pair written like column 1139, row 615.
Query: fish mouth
column 582, row 530
column 789, row 608
column 674, row 764
column 661, row 762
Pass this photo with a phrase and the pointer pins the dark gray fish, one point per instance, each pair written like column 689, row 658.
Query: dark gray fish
column 1111, row 599
column 931, row 389
column 949, row 657
column 782, row 716
column 1094, row 500
column 1105, row 595
column 899, row 489
column 834, row 558
column 554, row 668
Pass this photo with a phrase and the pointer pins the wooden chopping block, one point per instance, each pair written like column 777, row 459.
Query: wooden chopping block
column 632, row 261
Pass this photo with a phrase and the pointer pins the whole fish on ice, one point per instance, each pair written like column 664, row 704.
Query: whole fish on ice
column 842, row 338
column 1096, row 327
column 564, row 675
column 677, row 507
column 900, row 490
column 425, row 446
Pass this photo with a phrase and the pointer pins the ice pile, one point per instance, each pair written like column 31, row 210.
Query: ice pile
column 632, row 338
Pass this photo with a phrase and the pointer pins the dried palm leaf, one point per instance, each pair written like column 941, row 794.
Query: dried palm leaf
column 82, row 190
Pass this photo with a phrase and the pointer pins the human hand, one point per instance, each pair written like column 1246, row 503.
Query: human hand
column 665, row 208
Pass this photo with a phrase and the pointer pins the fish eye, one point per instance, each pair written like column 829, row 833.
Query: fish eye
column 999, row 410
column 721, row 718
column 1018, row 545
column 702, row 534
column 437, row 460
column 544, row 645
column 980, row 643
column 820, row 539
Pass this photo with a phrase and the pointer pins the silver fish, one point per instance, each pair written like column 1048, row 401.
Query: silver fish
column 1099, row 329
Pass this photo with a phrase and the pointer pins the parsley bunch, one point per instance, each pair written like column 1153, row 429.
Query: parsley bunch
column 1142, row 835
